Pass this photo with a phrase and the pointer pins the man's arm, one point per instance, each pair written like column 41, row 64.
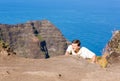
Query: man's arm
column 94, row 59
column 89, row 54
column 69, row 50
column 67, row 53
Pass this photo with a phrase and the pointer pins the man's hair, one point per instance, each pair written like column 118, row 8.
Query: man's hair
column 76, row 42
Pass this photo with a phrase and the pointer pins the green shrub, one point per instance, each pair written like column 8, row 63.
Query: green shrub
column 39, row 37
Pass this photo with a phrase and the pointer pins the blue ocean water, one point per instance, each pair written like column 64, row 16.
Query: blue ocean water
column 90, row 21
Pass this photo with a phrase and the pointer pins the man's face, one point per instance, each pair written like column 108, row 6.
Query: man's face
column 75, row 46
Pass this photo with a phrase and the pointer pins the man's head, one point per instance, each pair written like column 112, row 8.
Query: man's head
column 76, row 44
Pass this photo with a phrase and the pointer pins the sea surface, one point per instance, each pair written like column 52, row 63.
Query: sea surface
column 90, row 21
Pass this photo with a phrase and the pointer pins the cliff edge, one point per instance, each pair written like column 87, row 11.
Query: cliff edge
column 59, row 68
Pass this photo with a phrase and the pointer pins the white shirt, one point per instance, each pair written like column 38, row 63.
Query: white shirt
column 83, row 52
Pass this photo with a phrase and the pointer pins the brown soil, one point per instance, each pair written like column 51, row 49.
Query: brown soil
column 61, row 68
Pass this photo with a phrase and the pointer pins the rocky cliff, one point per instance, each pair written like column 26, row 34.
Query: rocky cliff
column 112, row 50
column 62, row 68
column 34, row 39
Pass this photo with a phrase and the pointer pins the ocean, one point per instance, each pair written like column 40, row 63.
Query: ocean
column 92, row 22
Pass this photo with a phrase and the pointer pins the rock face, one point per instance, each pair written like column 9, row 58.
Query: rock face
column 113, row 48
column 34, row 39
column 61, row 68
